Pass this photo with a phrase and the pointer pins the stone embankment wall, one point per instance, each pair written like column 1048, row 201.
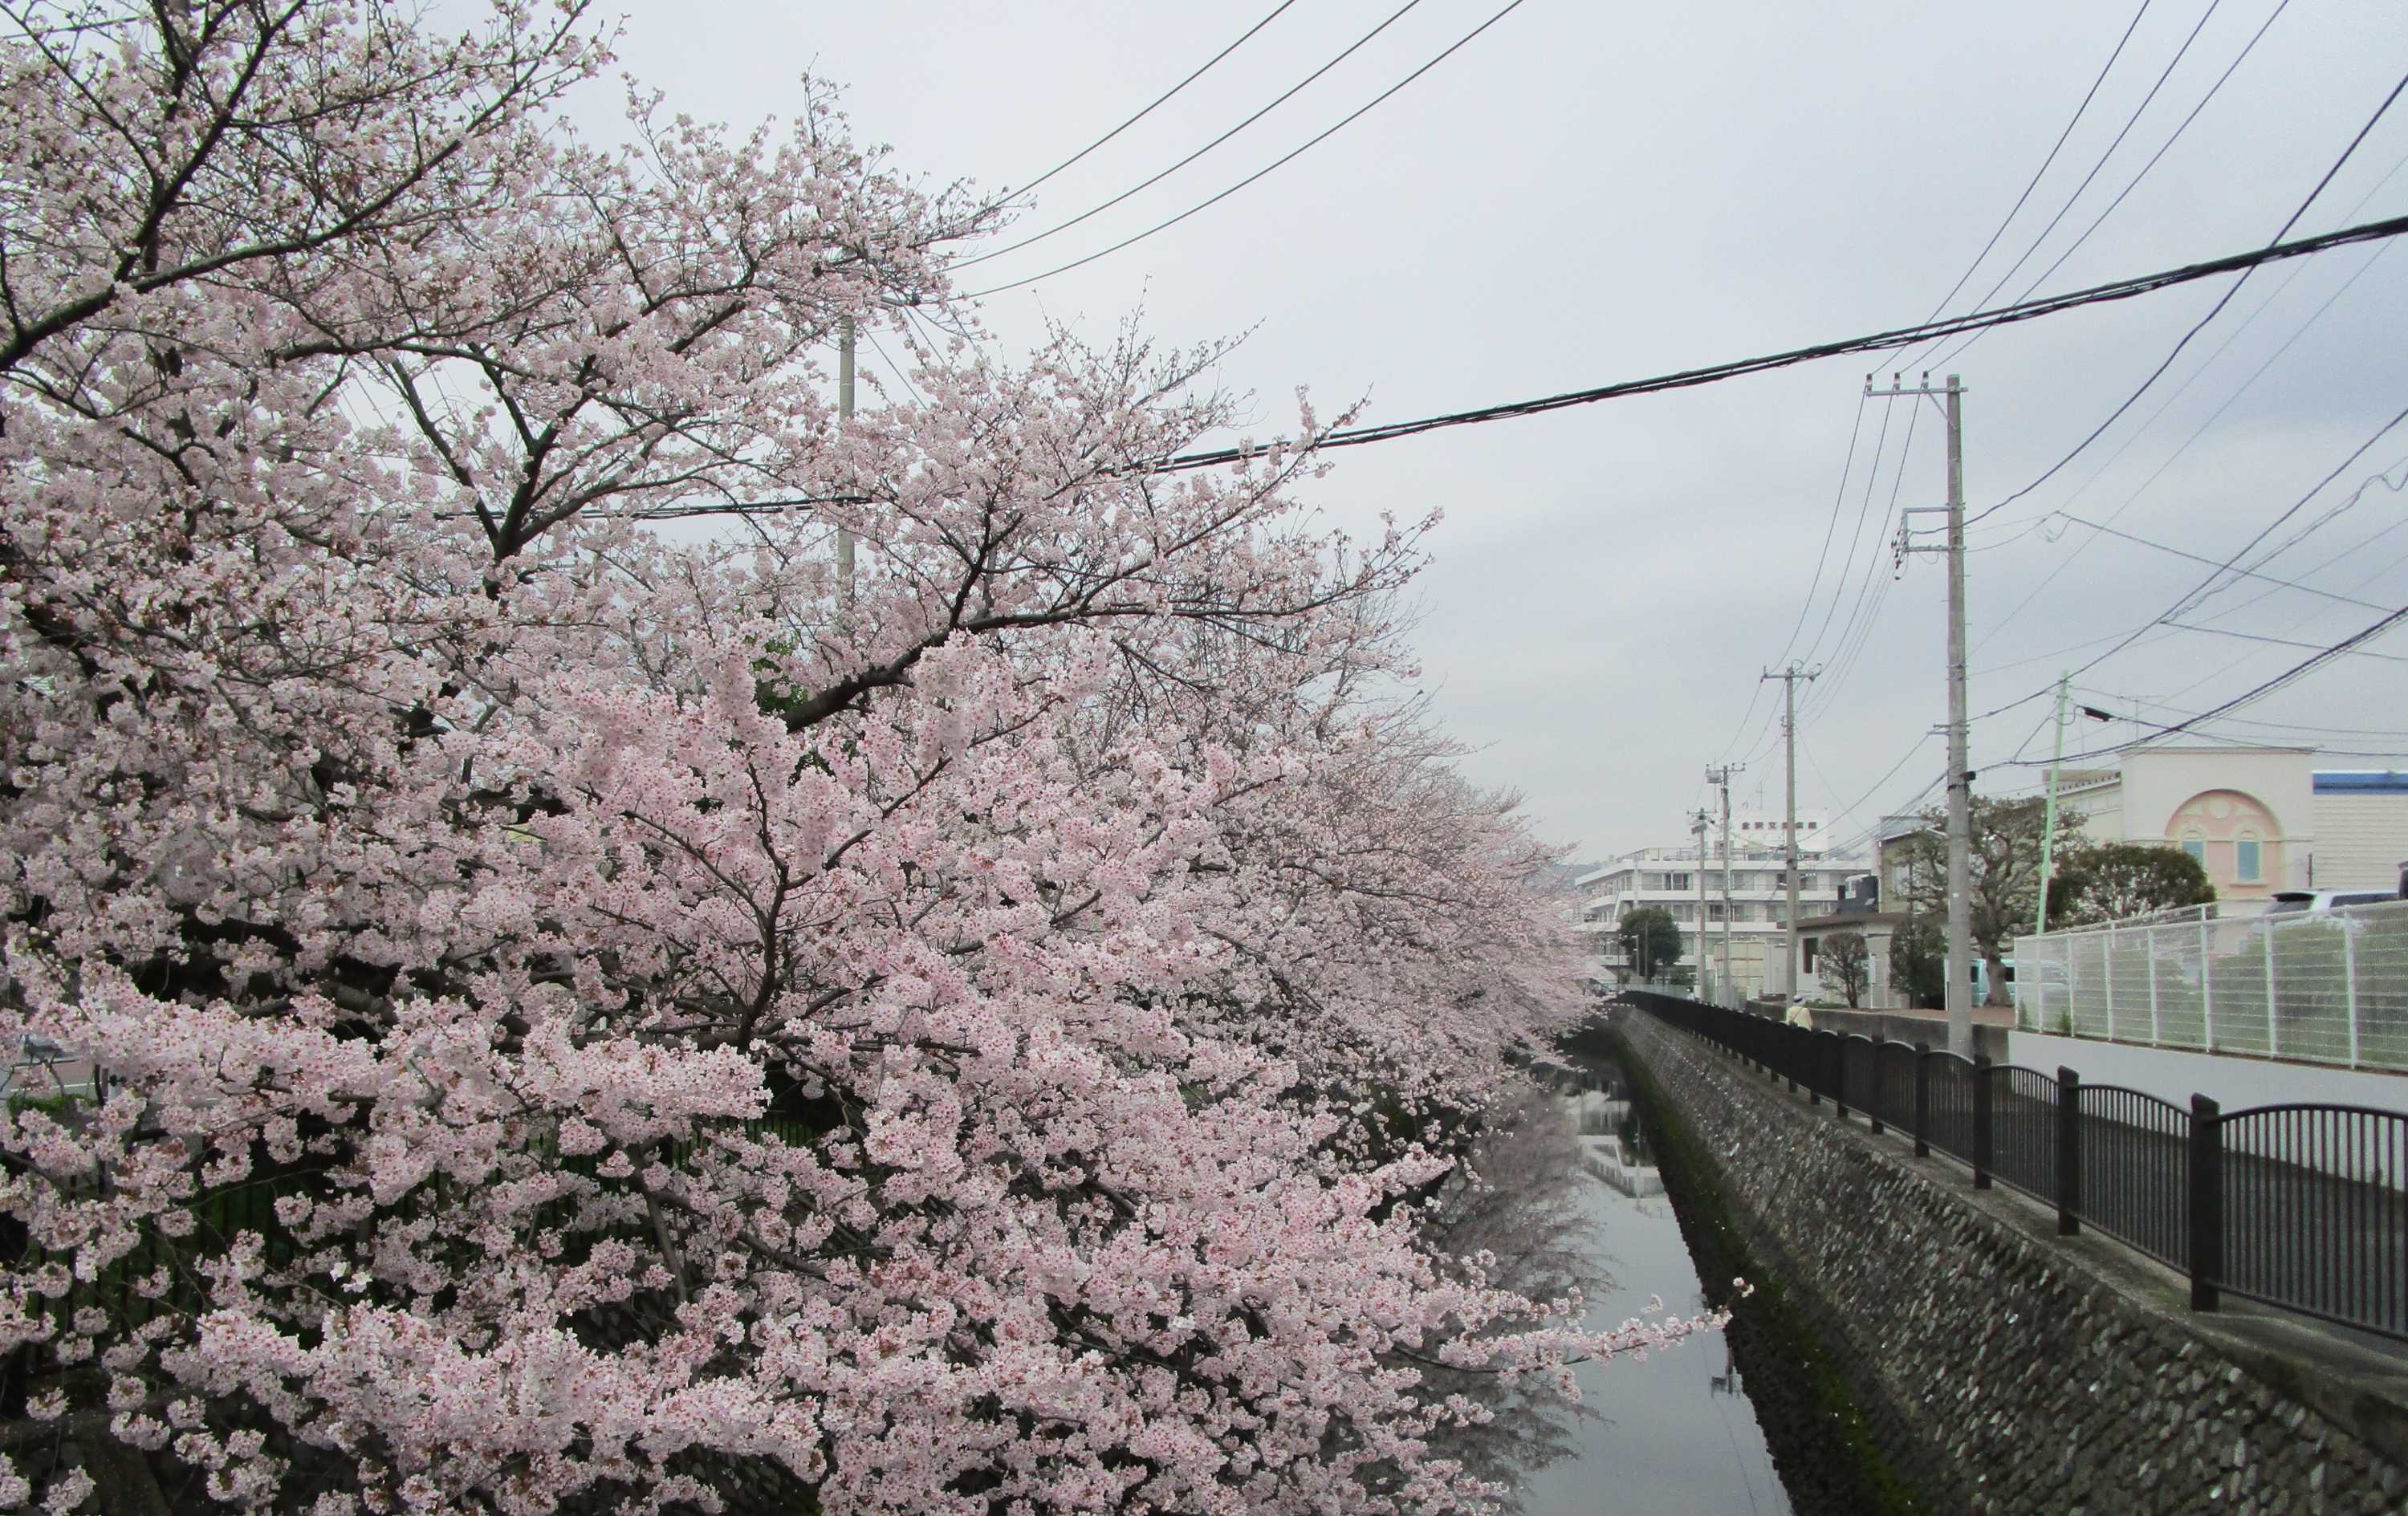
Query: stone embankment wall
column 2004, row 1370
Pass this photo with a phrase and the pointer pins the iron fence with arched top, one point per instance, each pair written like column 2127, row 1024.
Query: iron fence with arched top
column 2303, row 1206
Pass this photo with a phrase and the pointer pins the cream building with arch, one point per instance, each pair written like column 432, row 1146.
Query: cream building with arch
column 2259, row 820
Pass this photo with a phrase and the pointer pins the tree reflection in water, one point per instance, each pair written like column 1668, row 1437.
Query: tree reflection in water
column 1522, row 1204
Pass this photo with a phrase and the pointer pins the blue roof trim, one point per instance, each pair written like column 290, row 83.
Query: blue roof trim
column 2360, row 781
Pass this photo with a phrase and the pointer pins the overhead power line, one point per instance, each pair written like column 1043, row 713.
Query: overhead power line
column 1830, row 528
column 2202, row 558
column 2297, row 331
column 2275, row 641
column 1165, row 226
column 1838, row 502
column 896, row 369
column 2082, row 188
column 2167, row 463
column 2125, row 193
column 1864, row 513
column 2200, row 325
column 1715, row 373
column 2222, row 568
column 2332, row 513
column 1853, row 633
column 1876, row 342
column 1292, row 93
column 2057, row 147
column 2033, row 523
column 2259, row 691
column 1158, row 101
column 2117, row 696
column 2393, row 524
column 2229, row 565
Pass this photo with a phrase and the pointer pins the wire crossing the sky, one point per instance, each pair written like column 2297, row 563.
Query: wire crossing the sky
column 1903, row 336
column 2202, row 324
column 1293, row 90
column 2125, row 193
column 2321, row 656
column 1163, row 226
column 1157, row 102
column 2040, row 172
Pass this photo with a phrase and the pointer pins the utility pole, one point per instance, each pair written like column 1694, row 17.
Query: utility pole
column 1960, row 777
column 1789, row 678
column 1700, row 829
column 844, row 343
column 2048, row 812
column 1721, row 778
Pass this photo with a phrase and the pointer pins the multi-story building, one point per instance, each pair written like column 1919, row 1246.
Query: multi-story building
column 1758, row 897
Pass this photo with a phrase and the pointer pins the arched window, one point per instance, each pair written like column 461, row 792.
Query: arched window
column 2231, row 819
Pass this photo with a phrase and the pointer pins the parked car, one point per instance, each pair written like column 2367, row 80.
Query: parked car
column 2292, row 902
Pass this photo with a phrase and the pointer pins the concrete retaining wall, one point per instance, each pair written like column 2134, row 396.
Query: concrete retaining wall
column 2006, row 1370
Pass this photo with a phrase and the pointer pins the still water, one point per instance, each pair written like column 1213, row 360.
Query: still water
column 1675, row 1432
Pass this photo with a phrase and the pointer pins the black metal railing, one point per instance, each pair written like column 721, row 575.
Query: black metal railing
column 2313, row 1215
column 2303, row 1206
column 2022, row 1117
column 1948, row 1099
column 2135, row 1169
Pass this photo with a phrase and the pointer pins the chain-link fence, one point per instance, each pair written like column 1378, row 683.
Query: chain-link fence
column 2324, row 986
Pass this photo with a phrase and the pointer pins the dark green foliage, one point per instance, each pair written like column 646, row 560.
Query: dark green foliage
column 1848, row 964
column 1649, row 939
column 2112, row 881
column 1918, row 962
column 2002, row 874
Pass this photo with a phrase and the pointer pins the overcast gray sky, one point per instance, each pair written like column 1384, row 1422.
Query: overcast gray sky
column 1592, row 192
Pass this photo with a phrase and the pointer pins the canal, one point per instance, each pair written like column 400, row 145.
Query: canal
column 1753, row 1421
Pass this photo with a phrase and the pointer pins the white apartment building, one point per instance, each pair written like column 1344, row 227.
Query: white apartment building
column 1758, row 894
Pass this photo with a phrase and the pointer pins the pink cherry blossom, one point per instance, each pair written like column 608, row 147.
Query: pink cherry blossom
column 594, row 1010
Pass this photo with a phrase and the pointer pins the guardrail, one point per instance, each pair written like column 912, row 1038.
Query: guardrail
column 2303, row 1206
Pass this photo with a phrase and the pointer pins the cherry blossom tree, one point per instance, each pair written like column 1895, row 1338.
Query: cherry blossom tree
column 606, row 1015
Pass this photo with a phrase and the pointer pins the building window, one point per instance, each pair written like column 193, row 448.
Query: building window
column 2195, row 844
column 1807, row 949
column 2245, row 859
column 1677, row 881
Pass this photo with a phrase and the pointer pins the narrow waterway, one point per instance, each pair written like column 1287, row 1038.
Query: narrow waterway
column 1583, row 1186
column 1676, row 1432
